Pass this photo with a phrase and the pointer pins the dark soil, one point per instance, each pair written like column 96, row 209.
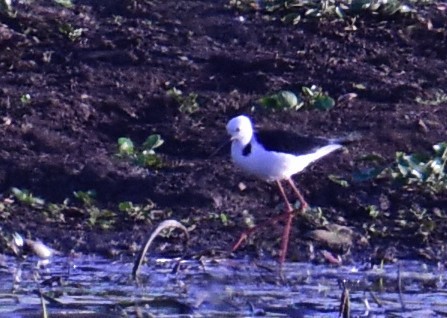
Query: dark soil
column 111, row 82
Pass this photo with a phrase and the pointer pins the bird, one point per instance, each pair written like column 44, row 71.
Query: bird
column 275, row 156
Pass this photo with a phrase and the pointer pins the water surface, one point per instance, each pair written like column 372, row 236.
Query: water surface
column 98, row 287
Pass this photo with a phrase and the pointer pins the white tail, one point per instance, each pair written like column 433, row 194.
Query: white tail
column 321, row 152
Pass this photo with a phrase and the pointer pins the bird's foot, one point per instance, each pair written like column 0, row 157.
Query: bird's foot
column 301, row 208
column 304, row 207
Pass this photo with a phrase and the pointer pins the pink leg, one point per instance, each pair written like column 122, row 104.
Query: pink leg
column 285, row 239
column 273, row 220
column 304, row 205
column 288, row 215
column 289, row 208
column 286, row 233
column 248, row 232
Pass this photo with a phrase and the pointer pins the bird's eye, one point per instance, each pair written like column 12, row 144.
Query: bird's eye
column 238, row 129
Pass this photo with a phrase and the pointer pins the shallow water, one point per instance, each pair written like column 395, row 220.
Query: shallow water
column 97, row 287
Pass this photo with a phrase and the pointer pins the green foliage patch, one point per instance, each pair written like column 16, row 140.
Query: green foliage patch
column 310, row 97
column 293, row 11
column 188, row 104
column 422, row 171
column 144, row 155
column 84, row 209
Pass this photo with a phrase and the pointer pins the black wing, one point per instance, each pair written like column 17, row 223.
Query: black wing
column 289, row 142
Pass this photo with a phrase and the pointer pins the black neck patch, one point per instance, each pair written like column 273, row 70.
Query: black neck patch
column 247, row 150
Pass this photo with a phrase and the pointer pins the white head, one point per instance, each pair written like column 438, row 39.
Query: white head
column 240, row 129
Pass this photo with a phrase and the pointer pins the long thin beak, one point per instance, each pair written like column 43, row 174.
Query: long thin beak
column 215, row 152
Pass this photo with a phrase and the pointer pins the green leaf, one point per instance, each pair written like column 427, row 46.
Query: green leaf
column 312, row 12
column 224, row 219
column 26, row 197
column 25, row 99
column 391, row 7
column 338, row 180
column 437, row 166
column 324, row 102
column 174, row 93
column 65, row 3
column 281, row 101
column 307, row 91
column 373, row 211
column 287, row 99
column 19, row 194
column 5, row 6
column 125, row 206
column 125, row 146
column 189, row 104
column 441, row 150
column 86, row 197
column 339, row 12
column 149, row 159
column 269, row 102
column 152, row 142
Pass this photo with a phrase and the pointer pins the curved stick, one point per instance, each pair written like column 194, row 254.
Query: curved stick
column 163, row 225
